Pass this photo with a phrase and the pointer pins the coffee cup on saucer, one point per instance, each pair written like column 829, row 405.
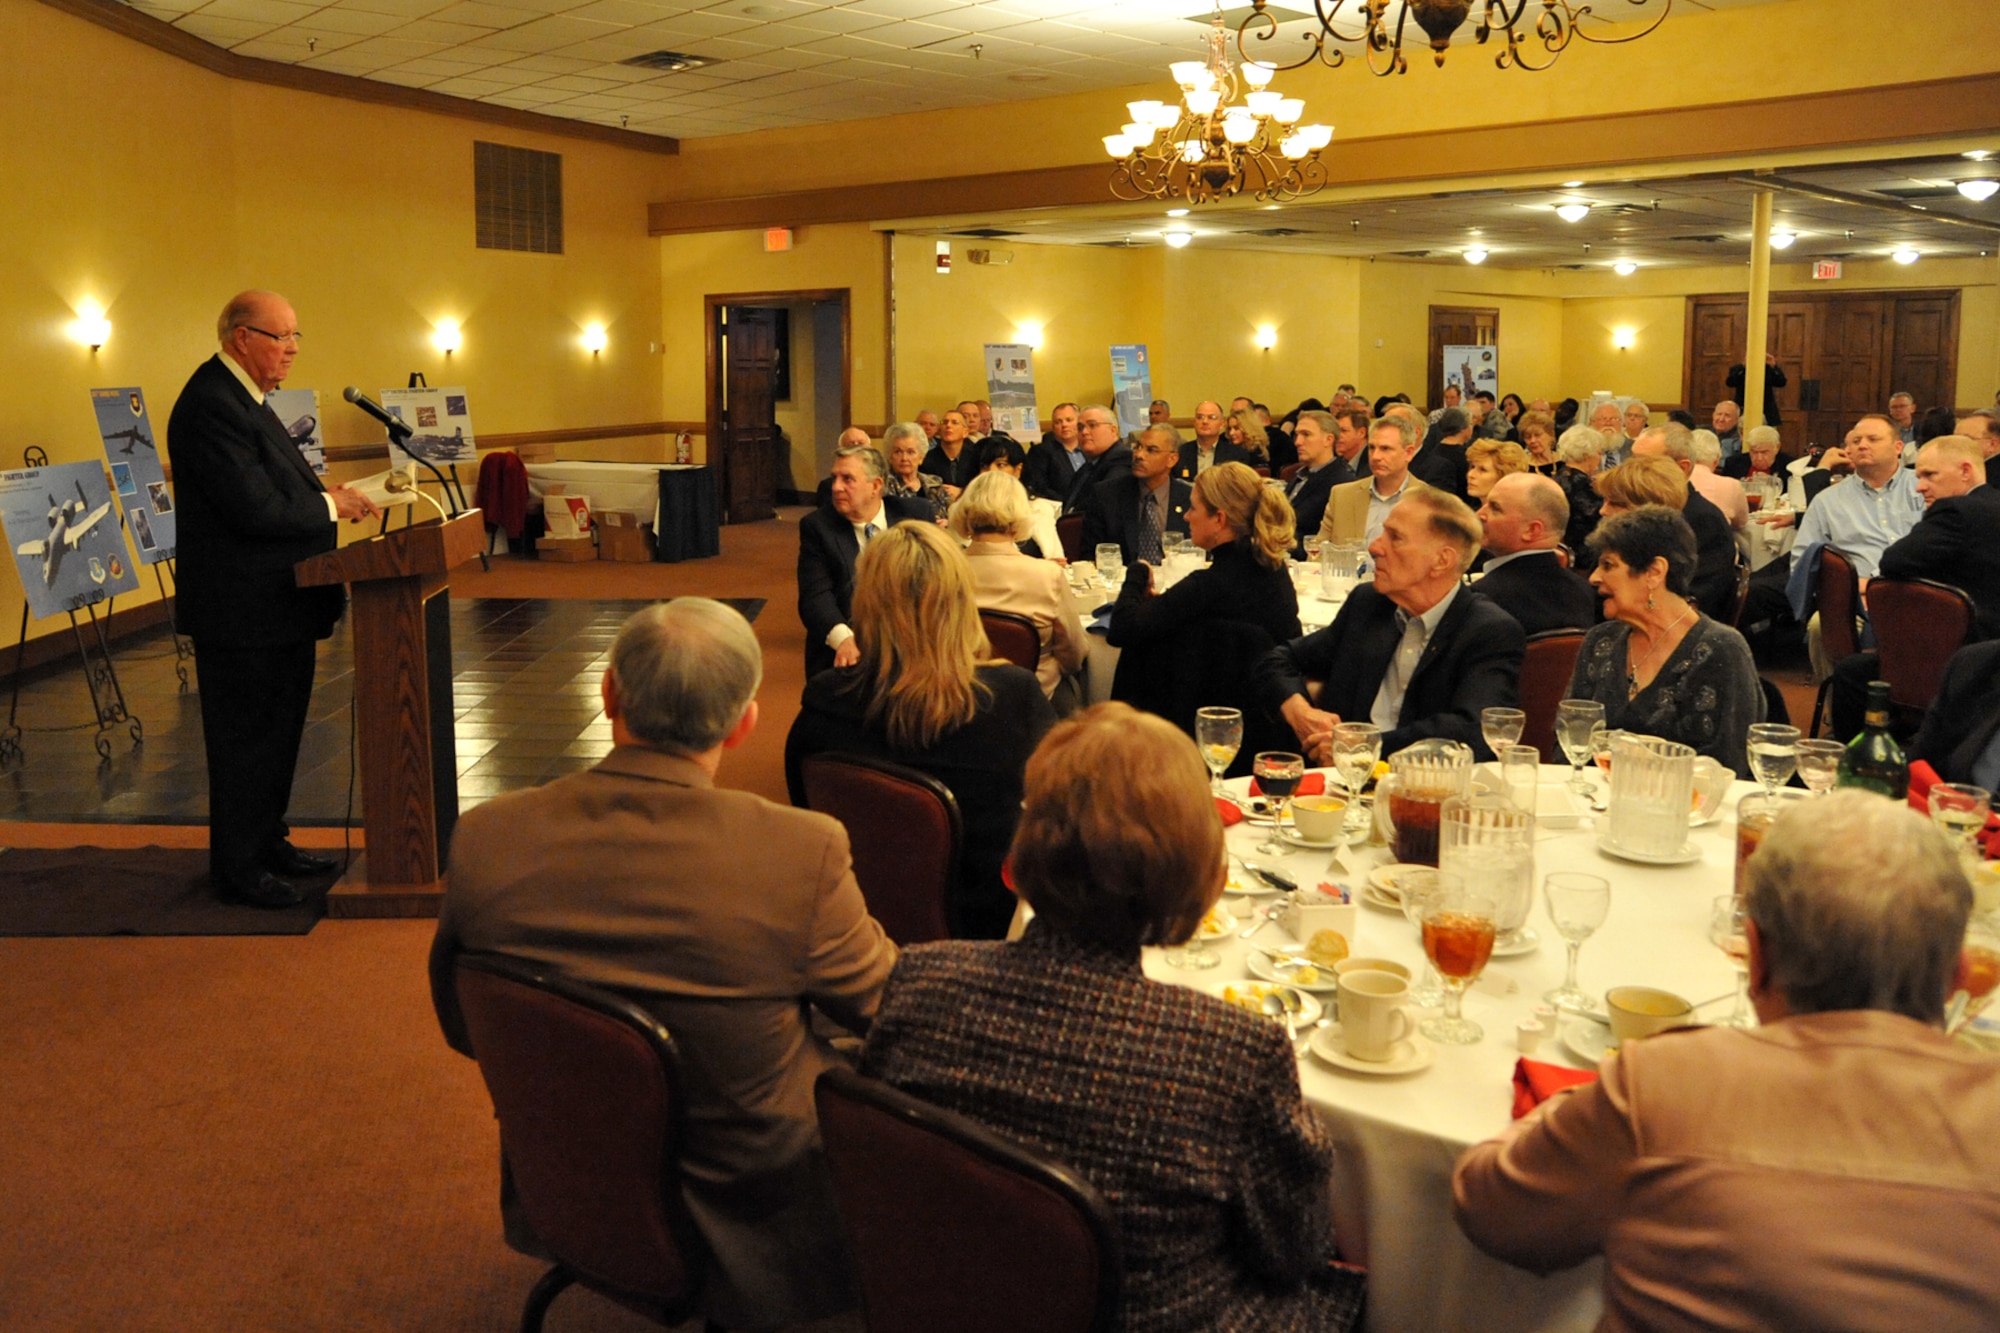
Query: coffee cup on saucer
column 1372, row 1014
column 1640, row 1011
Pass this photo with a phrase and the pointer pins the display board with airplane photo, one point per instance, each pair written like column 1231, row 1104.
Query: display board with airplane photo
column 441, row 424
column 65, row 541
column 131, row 447
column 298, row 413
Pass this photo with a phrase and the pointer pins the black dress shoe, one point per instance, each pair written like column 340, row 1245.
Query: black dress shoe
column 266, row 890
column 289, row 860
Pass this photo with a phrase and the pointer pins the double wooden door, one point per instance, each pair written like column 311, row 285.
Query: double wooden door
column 1457, row 326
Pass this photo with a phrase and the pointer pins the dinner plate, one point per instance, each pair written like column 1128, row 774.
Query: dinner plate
column 1309, row 1011
column 1381, row 901
column 1382, row 879
column 1687, row 855
column 1259, row 965
column 1588, row 1040
column 1405, row 1057
column 1249, row 885
column 1217, row 924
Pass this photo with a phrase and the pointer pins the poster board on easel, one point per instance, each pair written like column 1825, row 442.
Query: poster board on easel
column 67, row 547
column 131, row 448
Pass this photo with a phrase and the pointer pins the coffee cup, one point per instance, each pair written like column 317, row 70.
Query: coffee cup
column 1372, row 1016
column 1640, row 1011
column 1318, row 818
column 1389, row 965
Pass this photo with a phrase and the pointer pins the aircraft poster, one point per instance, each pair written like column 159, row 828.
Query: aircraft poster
column 443, row 426
column 64, row 537
column 131, row 446
column 1010, row 387
column 298, row 413
column 1131, row 386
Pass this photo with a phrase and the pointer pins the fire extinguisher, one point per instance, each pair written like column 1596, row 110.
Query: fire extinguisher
column 684, row 448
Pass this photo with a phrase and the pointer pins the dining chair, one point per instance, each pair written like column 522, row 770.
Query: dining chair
column 1014, row 637
column 1208, row 664
column 1288, row 472
column 904, row 831
column 586, row 1087
column 1919, row 624
column 954, row 1227
column 1545, row 673
column 1741, row 598
column 1070, row 531
column 1839, row 603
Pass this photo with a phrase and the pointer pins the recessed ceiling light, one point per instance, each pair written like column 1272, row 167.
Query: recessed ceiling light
column 1573, row 212
column 1906, row 256
column 1624, row 268
column 1782, row 240
column 1572, row 185
column 1177, row 212
column 1475, row 256
column 1979, row 191
column 762, row 12
column 1177, row 238
column 1978, row 154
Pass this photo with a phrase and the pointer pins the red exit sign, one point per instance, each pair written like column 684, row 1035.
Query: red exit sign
column 1824, row 270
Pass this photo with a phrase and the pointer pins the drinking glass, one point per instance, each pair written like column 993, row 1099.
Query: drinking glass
column 1819, row 764
column 1726, row 930
column 1576, row 719
column 1110, row 563
column 1356, row 747
column 1607, row 745
column 1417, row 886
column 1313, row 545
column 1774, row 754
column 1219, row 733
column 1501, row 727
column 1278, row 773
column 1959, row 810
column 1458, row 939
column 1195, row 954
column 1577, row 906
column 1979, row 974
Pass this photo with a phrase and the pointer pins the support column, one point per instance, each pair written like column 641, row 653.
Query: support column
column 1757, row 317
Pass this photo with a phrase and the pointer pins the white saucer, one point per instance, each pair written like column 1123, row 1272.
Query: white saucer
column 1588, row 1040
column 1526, row 944
column 1687, row 855
column 1405, row 1057
column 1224, row 923
column 1309, row 1011
column 1297, row 839
column 1381, row 901
column 1261, row 967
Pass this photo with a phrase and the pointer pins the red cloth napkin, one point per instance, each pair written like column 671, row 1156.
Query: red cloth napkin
column 1231, row 812
column 1535, row 1081
column 1312, row 784
column 1922, row 778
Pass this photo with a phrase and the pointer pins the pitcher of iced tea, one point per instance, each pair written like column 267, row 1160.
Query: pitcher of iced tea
column 1421, row 779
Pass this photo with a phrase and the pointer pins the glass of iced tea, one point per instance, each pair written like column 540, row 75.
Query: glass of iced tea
column 1979, row 970
column 1458, row 939
column 1728, row 930
column 1755, row 814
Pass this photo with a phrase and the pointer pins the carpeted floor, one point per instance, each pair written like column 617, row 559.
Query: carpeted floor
column 147, row 890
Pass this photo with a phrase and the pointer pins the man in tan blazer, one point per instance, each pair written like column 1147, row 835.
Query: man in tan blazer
column 724, row 914
column 1355, row 509
column 1837, row 1166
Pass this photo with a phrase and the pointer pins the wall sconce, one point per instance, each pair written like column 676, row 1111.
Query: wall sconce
column 1624, row 268
column 90, row 328
column 1906, row 256
column 1029, row 333
column 1623, row 339
column 447, row 337
column 1475, row 256
column 1267, row 337
column 595, row 339
column 1177, row 237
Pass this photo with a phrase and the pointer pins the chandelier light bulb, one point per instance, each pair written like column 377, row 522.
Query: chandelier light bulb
column 1290, row 109
column 1293, row 147
column 1177, row 238
column 1117, row 145
column 1162, row 115
column 1263, row 102
column 1782, row 240
column 1573, row 212
column 1143, row 112
column 1475, row 256
column 1317, row 136
column 1190, row 74
column 1193, row 151
column 1203, row 101
column 1624, row 268
column 1258, row 74
column 1239, row 127
column 1139, row 135
column 1906, row 256
column 1979, row 191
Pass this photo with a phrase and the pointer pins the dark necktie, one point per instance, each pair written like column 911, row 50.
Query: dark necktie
column 1147, row 545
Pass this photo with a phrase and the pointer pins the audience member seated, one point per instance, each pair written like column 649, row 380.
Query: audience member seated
column 1053, row 464
column 1248, row 433
column 1135, row 511
column 1715, row 541
column 951, row 458
column 611, row 877
column 1512, row 409
column 1835, row 1167
column 1104, row 456
column 1415, row 652
column 905, row 444
column 1488, row 423
column 1523, row 518
column 1982, row 427
column 1580, row 455
column 1320, row 470
column 1208, row 447
column 1961, row 733
column 929, row 421
column 1452, row 399
column 1862, row 514
column 1183, row 1110
column 1538, row 436
column 1161, row 413
column 1657, row 664
column 1440, row 461
column 831, row 538
column 1607, row 420
column 1726, row 423
column 1725, row 493
column 990, row 517
column 1488, row 460
column 1355, row 510
column 923, row 694
column 1759, row 456
column 1000, row 454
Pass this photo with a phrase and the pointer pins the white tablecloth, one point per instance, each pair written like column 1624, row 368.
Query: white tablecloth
column 628, row 486
column 1399, row 1137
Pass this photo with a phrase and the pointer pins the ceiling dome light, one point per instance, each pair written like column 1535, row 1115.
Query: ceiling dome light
column 1177, row 238
column 1573, row 212
column 1177, row 212
column 1475, row 256
column 1624, row 268
column 1979, row 191
column 1782, row 240
column 1906, row 256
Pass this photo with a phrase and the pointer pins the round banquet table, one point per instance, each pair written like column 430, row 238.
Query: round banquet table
column 1399, row 1136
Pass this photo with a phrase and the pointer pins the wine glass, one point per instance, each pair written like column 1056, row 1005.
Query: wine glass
column 1278, row 773
column 1219, row 733
column 1355, row 748
column 1727, row 921
column 1819, row 764
column 1959, row 811
column 1577, row 906
column 1417, row 886
column 1774, row 754
column 1110, row 563
column 1458, row 939
column 1194, row 955
column 1501, row 727
column 1576, row 720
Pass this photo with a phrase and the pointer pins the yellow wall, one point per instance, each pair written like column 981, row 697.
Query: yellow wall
column 1395, row 312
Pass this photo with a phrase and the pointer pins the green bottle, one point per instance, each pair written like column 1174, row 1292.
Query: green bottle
column 1874, row 762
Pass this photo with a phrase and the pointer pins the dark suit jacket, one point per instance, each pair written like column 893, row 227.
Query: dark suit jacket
column 1113, row 462
column 1047, row 474
column 1539, row 593
column 1278, row 443
column 1964, row 715
column 1225, row 452
column 1715, row 557
column 1957, row 542
column 1993, row 470
column 1774, row 380
column 1233, row 587
column 1112, row 514
column 1472, row 662
column 250, row 508
column 958, row 472
column 1441, row 465
column 1308, row 492
column 1738, row 466
column 828, row 549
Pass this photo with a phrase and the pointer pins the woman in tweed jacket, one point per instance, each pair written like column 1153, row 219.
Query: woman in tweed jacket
column 1183, row 1111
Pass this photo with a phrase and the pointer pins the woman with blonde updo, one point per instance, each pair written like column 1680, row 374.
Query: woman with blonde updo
column 1247, row 432
column 1486, row 461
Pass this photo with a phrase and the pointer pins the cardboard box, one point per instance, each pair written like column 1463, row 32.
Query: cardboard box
column 566, row 516
column 567, row 550
column 632, row 545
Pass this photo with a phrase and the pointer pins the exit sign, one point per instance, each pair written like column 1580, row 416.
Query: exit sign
column 777, row 239
column 1824, row 270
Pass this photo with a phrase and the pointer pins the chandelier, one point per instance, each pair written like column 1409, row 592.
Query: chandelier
column 1209, row 146
column 1532, row 33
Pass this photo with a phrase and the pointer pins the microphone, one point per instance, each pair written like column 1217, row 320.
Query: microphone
column 397, row 428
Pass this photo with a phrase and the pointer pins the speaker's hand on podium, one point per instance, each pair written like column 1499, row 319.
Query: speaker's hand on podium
column 352, row 504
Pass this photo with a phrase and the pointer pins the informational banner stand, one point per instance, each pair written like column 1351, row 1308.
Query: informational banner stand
column 1010, row 387
column 1131, row 386
column 1470, row 369
column 145, row 503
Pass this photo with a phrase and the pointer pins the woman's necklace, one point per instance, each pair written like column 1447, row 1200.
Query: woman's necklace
column 1659, row 643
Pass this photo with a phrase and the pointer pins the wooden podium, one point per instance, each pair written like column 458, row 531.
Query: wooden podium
column 403, row 709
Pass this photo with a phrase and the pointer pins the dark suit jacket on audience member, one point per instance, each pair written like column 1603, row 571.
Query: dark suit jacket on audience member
column 1472, row 662
column 1047, row 474
column 1715, row 557
column 1441, row 465
column 1539, row 593
column 1225, row 452
column 1309, row 504
column 1957, row 542
column 1112, row 514
column 1278, row 444
column 828, row 549
column 1774, row 380
column 1113, row 462
column 1964, row 715
column 1233, row 587
column 957, row 472
column 982, row 762
column 1738, row 466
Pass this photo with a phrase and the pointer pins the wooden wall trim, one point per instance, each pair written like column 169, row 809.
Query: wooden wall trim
column 164, row 36
column 1846, row 118
column 517, row 440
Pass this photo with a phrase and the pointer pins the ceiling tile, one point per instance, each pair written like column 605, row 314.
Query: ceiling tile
column 221, row 31
column 336, row 18
column 270, row 13
column 408, row 9
column 437, row 30
column 630, row 13
column 481, row 15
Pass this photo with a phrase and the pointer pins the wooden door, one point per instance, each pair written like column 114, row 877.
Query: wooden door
column 749, row 421
column 1849, row 367
column 1457, row 326
column 1717, row 339
column 1924, row 357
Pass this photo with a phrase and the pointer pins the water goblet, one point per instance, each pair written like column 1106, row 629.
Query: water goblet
column 1576, row 720
column 1819, row 764
column 1774, row 754
column 1959, row 811
column 1727, row 930
column 1278, row 773
column 1458, row 939
column 1194, row 955
column 1501, row 727
column 1219, row 734
column 1577, row 906
column 1355, row 748
column 1520, row 775
column 1110, row 563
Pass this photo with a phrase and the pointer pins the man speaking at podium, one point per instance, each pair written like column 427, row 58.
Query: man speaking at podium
column 250, row 509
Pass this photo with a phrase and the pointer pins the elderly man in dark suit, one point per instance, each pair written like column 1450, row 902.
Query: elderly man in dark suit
column 1417, row 653
column 830, row 540
column 250, row 509
column 1524, row 517
column 1104, row 456
column 610, row 877
column 1139, row 508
